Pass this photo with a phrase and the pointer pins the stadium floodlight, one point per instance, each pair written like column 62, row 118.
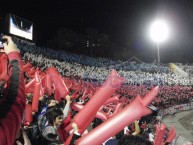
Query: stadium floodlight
column 159, row 32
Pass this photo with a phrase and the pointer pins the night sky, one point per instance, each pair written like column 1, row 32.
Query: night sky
column 125, row 21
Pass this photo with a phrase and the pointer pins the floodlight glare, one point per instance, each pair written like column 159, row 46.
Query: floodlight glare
column 159, row 31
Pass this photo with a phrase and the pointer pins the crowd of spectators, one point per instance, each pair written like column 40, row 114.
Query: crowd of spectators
column 135, row 77
column 140, row 77
column 49, row 121
column 168, row 95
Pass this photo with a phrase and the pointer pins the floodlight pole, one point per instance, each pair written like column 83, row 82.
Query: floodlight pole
column 158, row 55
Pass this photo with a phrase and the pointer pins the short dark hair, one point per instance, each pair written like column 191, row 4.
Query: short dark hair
column 50, row 99
column 133, row 140
column 52, row 113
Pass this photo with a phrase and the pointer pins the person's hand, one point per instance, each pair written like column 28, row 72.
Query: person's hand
column 75, row 126
column 68, row 99
column 10, row 46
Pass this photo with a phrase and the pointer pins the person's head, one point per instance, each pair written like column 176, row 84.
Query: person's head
column 51, row 102
column 133, row 140
column 29, row 97
column 55, row 116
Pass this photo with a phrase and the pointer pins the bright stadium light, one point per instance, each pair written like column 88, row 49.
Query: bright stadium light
column 159, row 32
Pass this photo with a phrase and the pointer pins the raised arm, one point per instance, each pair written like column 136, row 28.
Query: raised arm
column 13, row 103
column 67, row 106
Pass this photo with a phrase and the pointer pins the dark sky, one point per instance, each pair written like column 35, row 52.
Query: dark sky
column 125, row 21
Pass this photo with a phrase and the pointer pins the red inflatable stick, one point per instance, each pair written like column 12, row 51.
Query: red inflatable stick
column 171, row 135
column 112, row 99
column 42, row 91
column 84, row 96
column 118, row 108
column 48, row 85
column 89, row 111
column 30, row 84
column 36, row 95
column 149, row 97
column 75, row 95
column 29, row 87
column 31, row 72
column 28, row 113
column 37, row 77
column 26, row 66
column 64, row 89
column 57, row 95
column 68, row 82
column 115, row 124
column 160, row 131
column 101, row 115
column 58, row 81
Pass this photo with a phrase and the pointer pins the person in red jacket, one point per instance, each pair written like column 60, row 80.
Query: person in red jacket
column 12, row 102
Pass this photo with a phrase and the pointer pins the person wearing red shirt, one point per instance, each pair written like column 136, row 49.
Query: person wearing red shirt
column 12, row 102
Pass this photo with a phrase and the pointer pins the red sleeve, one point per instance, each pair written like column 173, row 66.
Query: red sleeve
column 15, row 100
column 67, row 119
column 61, row 130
